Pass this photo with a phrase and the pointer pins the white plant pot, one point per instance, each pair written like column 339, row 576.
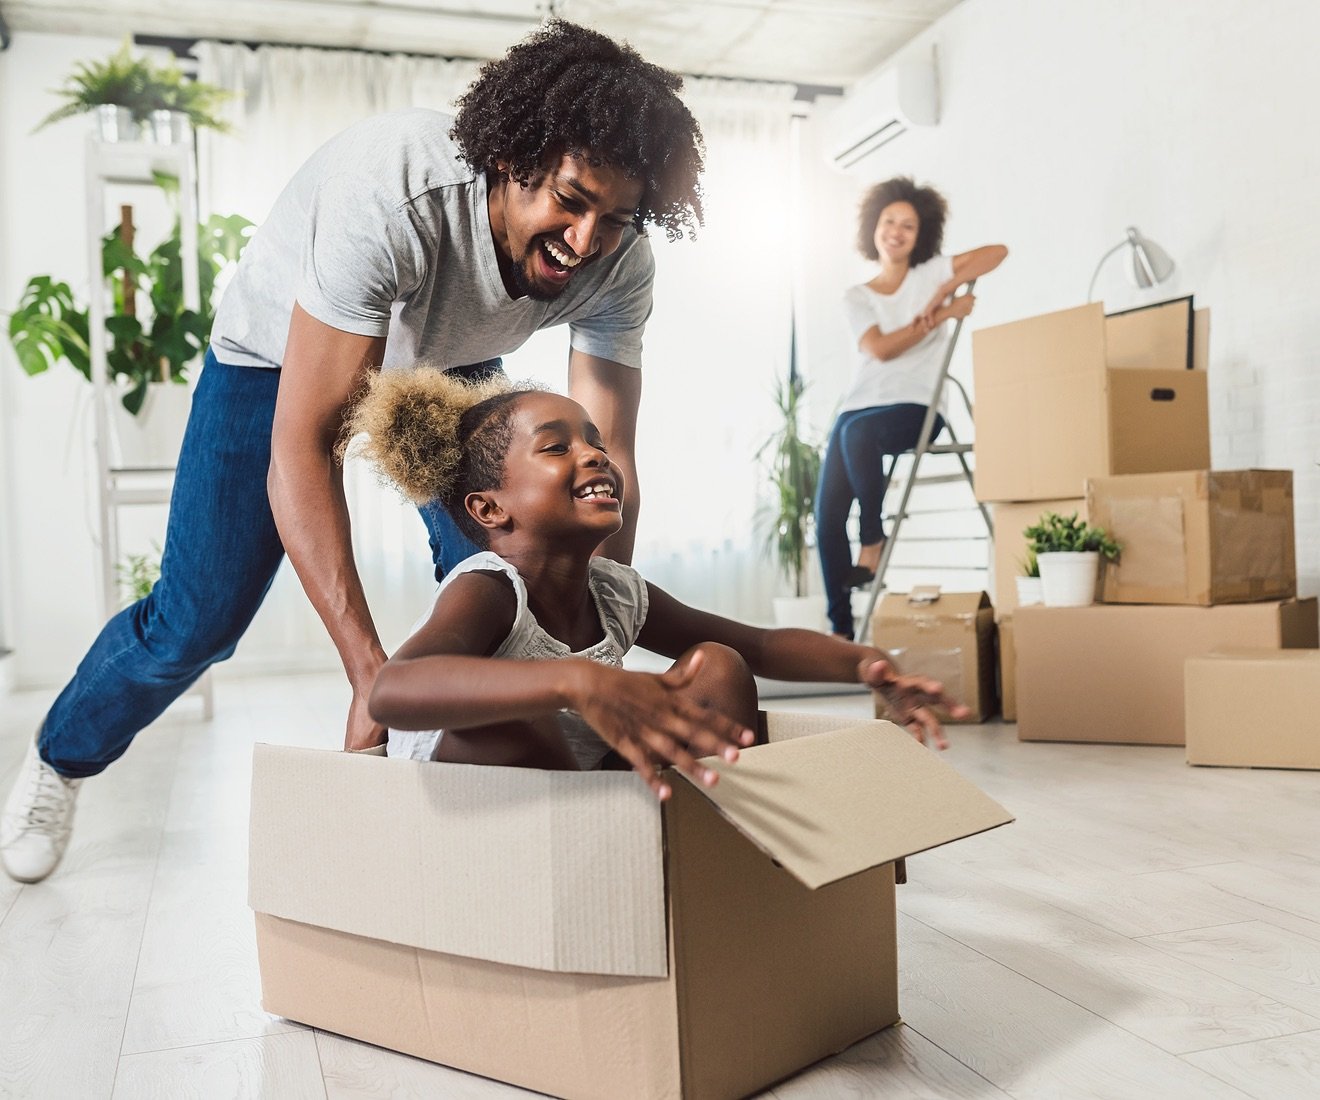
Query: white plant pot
column 115, row 123
column 151, row 439
column 168, row 128
column 806, row 612
column 1029, row 591
column 1069, row 577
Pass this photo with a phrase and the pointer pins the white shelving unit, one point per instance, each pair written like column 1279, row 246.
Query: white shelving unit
column 112, row 164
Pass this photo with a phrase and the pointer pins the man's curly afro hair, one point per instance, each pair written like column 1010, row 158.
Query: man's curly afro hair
column 566, row 89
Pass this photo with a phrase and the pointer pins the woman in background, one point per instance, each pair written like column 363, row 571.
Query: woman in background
column 895, row 319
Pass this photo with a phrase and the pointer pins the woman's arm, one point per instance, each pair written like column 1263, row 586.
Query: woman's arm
column 890, row 345
column 966, row 267
column 672, row 628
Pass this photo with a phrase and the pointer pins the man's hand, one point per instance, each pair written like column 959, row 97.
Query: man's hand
column 652, row 721
column 362, row 731
column 910, row 699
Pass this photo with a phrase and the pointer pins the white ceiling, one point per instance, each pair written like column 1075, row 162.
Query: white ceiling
column 824, row 42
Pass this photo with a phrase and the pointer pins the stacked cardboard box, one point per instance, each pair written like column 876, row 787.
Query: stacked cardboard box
column 1075, row 394
column 565, row 932
column 1207, row 561
column 1254, row 708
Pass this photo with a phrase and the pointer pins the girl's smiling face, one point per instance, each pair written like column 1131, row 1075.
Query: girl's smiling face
column 558, row 479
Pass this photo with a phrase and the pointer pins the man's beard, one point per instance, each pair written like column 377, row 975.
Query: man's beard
column 525, row 286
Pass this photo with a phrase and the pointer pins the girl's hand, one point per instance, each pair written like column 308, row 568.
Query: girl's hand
column 652, row 721
column 911, row 699
column 960, row 307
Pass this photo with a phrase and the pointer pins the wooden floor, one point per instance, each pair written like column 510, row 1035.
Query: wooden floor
column 1145, row 930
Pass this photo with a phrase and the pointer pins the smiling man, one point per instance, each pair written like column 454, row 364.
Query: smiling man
column 409, row 237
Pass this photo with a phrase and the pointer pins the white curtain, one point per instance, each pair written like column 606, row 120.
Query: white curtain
column 716, row 343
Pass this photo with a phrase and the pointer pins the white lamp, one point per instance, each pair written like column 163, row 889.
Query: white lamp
column 1148, row 263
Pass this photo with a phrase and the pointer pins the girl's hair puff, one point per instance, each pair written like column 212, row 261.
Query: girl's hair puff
column 437, row 436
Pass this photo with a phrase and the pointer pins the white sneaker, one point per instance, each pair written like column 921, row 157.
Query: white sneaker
column 37, row 819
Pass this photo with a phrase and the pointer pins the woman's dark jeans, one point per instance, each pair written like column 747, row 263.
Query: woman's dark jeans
column 221, row 554
column 854, row 468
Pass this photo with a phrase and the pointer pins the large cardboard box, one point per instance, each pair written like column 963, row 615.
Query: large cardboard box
column 1007, row 670
column 1254, row 708
column 947, row 635
column 1053, row 410
column 565, row 932
column 1010, row 549
column 1198, row 537
column 1114, row 672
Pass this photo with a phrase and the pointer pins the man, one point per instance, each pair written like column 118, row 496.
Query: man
column 403, row 238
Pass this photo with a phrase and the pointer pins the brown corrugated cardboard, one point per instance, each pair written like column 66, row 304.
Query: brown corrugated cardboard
column 1158, row 335
column 730, row 1011
column 1254, row 708
column 1011, row 544
column 1198, row 537
column 1050, row 412
column 1007, row 670
column 1115, row 673
column 945, row 635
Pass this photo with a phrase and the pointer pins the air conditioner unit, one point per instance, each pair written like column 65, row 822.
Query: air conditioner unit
column 880, row 108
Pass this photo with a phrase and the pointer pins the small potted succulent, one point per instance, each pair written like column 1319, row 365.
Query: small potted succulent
column 1029, row 590
column 1068, row 551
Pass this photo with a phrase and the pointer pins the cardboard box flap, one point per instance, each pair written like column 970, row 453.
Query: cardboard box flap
column 919, row 605
column 551, row 870
column 833, row 805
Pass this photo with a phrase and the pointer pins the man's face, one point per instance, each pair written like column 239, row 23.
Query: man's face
column 572, row 215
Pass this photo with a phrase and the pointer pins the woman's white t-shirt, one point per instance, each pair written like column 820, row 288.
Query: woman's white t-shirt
column 908, row 378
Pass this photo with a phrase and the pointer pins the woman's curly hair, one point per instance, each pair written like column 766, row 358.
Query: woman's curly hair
column 932, row 211
column 436, row 436
column 569, row 90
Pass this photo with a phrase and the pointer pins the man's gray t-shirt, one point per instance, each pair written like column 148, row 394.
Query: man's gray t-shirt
column 385, row 231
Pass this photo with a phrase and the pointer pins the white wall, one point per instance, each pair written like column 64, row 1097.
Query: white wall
column 1063, row 123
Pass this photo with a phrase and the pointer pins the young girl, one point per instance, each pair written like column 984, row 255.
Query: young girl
column 520, row 660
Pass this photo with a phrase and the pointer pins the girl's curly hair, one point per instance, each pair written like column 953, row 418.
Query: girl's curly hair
column 566, row 89
column 931, row 210
column 436, row 436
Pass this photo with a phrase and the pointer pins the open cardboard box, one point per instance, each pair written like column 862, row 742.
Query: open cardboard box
column 565, row 932
column 1074, row 394
column 1197, row 536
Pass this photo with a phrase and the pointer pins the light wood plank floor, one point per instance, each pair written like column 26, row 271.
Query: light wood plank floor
column 1144, row 930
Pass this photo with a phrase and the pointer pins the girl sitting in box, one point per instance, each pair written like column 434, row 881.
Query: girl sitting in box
column 519, row 661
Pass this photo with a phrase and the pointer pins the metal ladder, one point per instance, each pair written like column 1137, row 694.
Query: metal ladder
column 923, row 448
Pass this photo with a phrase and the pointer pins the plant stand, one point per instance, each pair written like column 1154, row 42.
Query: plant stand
column 120, row 486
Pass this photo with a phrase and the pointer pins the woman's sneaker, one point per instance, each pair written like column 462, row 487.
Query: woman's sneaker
column 37, row 819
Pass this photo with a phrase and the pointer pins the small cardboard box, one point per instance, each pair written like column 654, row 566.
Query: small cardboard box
column 1254, row 708
column 1007, row 670
column 565, row 932
column 1198, row 537
column 1010, row 550
column 1053, row 410
column 949, row 636
column 1114, row 672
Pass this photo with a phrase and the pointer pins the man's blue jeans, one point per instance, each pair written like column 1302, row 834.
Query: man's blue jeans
column 854, row 469
column 221, row 554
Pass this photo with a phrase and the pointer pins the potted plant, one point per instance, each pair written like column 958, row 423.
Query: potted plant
column 1029, row 589
column 112, row 90
column 794, row 468
column 125, row 93
column 152, row 337
column 175, row 104
column 1069, row 552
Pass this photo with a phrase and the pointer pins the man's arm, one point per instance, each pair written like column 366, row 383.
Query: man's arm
column 323, row 368
column 611, row 394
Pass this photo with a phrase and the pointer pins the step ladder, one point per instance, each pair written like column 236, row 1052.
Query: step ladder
column 924, row 447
